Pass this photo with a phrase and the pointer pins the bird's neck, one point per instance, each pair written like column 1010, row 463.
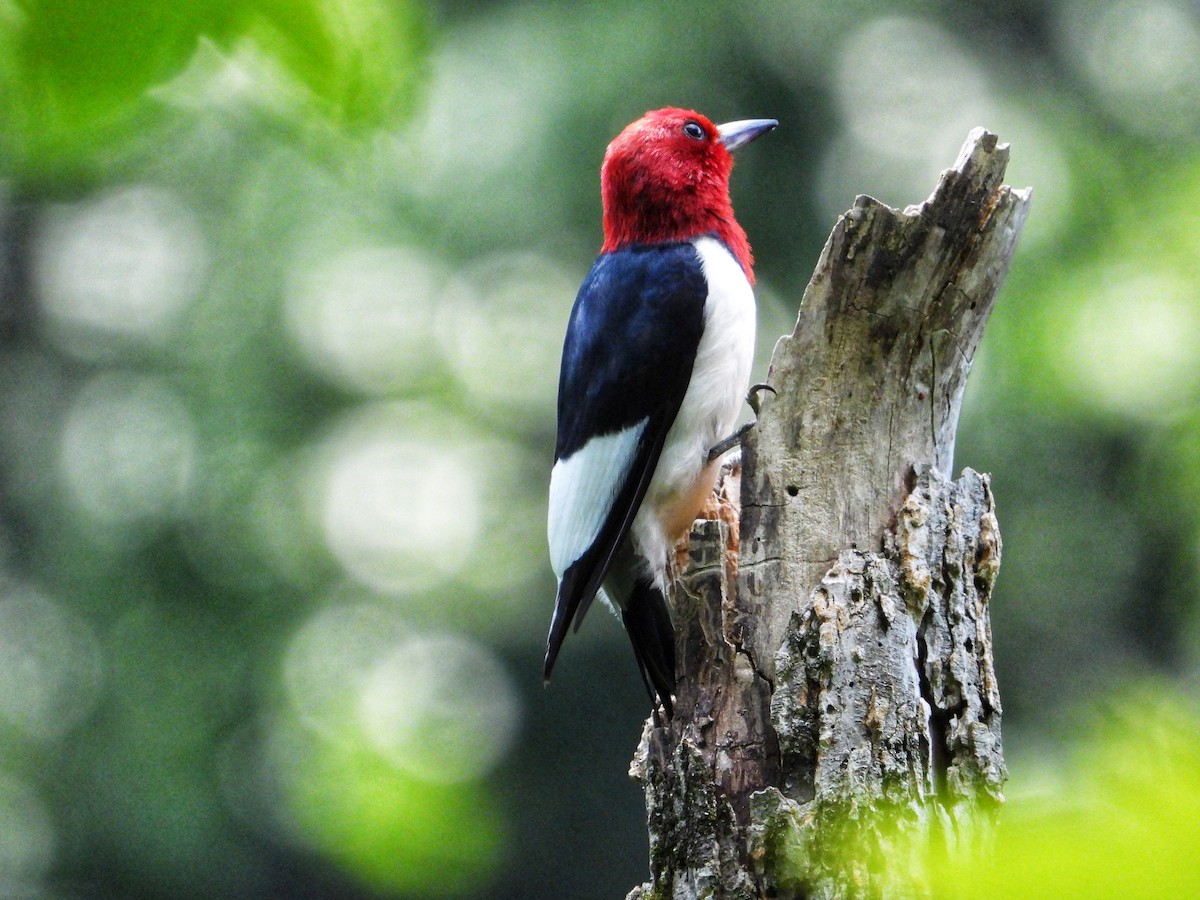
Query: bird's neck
column 643, row 218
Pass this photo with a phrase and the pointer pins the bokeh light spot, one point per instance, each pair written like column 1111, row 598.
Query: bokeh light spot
column 121, row 265
column 330, row 657
column 900, row 86
column 396, row 832
column 128, row 449
column 498, row 334
column 1142, row 59
column 908, row 95
column 399, row 512
column 441, row 707
column 902, row 83
column 390, row 732
column 506, row 116
column 363, row 318
column 51, row 676
column 1132, row 347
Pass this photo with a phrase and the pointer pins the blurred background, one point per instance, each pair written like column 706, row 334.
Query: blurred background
column 283, row 285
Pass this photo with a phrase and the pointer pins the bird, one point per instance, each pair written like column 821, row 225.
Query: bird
column 655, row 366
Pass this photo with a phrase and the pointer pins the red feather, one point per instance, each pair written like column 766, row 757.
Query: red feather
column 659, row 184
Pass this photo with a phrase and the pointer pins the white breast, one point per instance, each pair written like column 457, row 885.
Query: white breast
column 714, row 398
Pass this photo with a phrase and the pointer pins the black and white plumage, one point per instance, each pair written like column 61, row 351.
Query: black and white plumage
column 655, row 367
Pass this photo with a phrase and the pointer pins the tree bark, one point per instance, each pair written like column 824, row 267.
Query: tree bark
column 837, row 712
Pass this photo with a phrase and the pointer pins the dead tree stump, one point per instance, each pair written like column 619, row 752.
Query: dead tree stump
column 837, row 711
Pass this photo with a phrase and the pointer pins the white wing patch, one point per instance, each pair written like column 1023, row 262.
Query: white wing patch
column 583, row 487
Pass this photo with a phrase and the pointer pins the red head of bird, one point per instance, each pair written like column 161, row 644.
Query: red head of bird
column 666, row 178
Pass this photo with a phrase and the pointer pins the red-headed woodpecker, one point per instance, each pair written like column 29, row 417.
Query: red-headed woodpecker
column 655, row 367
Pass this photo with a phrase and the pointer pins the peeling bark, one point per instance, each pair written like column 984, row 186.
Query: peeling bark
column 837, row 709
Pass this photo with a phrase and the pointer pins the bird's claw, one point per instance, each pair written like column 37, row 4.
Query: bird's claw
column 752, row 395
column 720, row 448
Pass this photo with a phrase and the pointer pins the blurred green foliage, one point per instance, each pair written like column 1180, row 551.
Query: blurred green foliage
column 1112, row 817
column 1116, row 820
column 282, row 292
column 404, row 834
column 78, row 78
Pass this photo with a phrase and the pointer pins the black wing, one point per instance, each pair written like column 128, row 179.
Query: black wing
column 627, row 359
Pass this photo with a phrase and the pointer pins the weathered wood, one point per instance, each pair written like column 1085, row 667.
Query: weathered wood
column 834, row 640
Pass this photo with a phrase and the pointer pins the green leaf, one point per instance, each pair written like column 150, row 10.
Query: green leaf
column 359, row 60
column 77, row 77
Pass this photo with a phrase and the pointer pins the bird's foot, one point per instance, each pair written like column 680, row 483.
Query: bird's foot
column 752, row 395
column 720, row 448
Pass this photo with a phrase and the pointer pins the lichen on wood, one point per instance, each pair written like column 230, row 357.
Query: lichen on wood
column 885, row 703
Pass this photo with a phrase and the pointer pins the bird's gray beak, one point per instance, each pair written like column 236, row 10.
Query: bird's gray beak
column 743, row 131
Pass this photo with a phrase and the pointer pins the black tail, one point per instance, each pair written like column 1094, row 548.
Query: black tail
column 648, row 623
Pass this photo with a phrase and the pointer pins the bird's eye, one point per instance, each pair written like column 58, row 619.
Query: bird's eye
column 694, row 131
